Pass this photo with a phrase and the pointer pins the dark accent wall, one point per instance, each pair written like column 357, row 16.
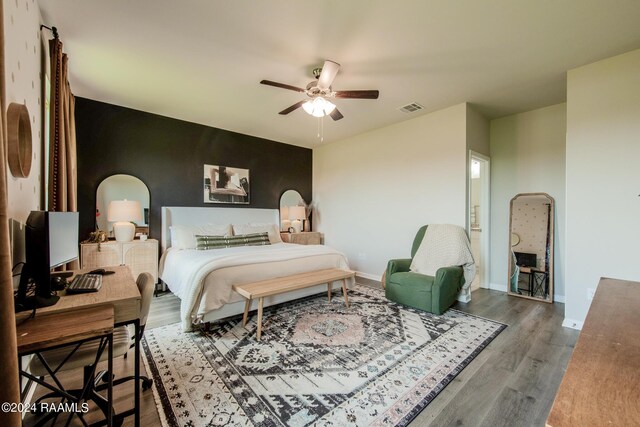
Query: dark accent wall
column 168, row 155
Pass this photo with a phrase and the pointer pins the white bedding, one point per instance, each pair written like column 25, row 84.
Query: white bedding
column 203, row 279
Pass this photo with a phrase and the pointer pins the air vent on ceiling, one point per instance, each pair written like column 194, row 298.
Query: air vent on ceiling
column 410, row 108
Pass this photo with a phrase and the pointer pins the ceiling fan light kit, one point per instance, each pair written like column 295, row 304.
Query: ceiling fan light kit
column 318, row 107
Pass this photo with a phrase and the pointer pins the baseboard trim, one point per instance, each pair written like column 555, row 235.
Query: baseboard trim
column 464, row 298
column 369, row 276
column 503, row 288
column 492, row 286
column 572, row 323
column 497, row 287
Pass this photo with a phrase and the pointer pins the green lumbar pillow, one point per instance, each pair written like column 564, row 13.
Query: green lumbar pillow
column 217, row 242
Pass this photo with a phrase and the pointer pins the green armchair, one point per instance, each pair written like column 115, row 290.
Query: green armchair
column 428, row 293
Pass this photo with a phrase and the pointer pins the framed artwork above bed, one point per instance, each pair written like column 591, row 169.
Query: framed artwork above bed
column 224, row 184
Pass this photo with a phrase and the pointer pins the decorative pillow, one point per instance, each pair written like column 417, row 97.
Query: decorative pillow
column 184, row 236
column 217, row 242
column 272, row 229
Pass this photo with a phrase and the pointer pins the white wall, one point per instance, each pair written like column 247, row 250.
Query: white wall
column 478, row 141
column 373, row 191
column 527, row 155
column 23, row 51
column 477, row 132
column 603, row 177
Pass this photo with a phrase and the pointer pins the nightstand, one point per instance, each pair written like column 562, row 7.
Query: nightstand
column 303, row 238
column 139, row 256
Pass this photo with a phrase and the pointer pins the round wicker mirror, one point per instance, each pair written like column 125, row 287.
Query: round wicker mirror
column 19, row 148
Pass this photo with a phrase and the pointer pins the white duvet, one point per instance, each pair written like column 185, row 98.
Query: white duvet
column 203, row 280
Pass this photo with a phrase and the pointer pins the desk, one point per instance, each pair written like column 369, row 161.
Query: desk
column 54, row 330
column 602, row 382
column 120, row 291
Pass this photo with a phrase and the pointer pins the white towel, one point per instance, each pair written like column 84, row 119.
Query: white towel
column 444, row 245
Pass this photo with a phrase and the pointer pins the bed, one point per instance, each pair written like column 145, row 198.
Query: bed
column 203, row 279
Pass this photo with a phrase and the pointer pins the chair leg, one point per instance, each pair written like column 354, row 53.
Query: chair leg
column 147, row 383
column 90, row 394
column 46, row 418
column 46, row 396
column 101, row 377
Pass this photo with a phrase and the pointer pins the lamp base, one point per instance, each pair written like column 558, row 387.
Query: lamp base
column 124, row 231
column 296, row 224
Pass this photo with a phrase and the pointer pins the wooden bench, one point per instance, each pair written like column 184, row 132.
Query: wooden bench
column 279, row 285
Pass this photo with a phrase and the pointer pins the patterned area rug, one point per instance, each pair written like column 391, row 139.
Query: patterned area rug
column 320, row 363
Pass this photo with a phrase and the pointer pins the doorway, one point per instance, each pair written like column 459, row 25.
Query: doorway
column 478, row 221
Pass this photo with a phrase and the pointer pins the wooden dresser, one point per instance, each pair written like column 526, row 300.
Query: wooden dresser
column 139, row 256
column 601, row 386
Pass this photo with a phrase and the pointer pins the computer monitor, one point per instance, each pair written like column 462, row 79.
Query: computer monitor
column 51, row 240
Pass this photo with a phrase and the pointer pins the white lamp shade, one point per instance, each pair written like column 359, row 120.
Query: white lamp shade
column 297, row 212
column 124, row 210
column 284, row 212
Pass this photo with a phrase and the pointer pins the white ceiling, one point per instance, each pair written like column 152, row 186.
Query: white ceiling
column 202, row 60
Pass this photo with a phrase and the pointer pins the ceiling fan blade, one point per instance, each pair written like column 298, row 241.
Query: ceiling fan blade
column 281, row 85
column 329, row 71
column 336, row 115
column 358, row 94
column 293, row 107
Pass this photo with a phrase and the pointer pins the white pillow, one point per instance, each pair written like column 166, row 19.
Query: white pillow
column 184, row 236
column 272, row 229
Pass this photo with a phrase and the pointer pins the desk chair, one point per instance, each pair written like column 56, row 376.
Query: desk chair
column 147, row 287
column 75, row 356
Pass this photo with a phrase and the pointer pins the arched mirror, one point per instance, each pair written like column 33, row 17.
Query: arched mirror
column 293, row 212
column 531, row 253
column 122, row 187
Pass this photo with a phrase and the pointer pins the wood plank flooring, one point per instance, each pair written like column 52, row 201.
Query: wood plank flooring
column 514, row 380
column 510, row 383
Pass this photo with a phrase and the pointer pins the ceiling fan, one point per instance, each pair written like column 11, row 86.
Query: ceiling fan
column 319, row 92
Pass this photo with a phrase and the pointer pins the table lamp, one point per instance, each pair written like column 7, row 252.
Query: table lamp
column 296, row 215
column 122, row 212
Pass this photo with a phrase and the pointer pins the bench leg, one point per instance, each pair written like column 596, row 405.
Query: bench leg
column 259, row 333
column 344, row 292
column 329, row 290
column 247, row 304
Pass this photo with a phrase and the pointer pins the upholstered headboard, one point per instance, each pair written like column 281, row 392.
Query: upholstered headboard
column 182, row 215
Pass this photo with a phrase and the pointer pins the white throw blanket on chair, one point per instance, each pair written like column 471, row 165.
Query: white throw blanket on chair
column 445, row 245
